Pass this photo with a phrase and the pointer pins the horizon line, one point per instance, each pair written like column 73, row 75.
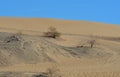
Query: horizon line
column 55, row 18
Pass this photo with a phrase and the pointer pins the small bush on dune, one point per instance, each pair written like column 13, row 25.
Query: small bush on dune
column 19, row 34
column 52, row 33
column 89, row 43
column 92, row 43
column 53, row 72
column 14, row 37
column 11, row 39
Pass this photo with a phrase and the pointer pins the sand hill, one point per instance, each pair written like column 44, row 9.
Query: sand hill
column 64, row 26
column 32, row 53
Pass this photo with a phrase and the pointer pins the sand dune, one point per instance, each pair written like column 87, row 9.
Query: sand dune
column 64, row 26
column 35, row 53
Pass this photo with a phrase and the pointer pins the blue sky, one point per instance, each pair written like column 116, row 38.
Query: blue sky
column 106, row 11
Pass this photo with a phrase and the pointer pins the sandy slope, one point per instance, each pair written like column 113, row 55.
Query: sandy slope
column 36, row 53
column 64, row 26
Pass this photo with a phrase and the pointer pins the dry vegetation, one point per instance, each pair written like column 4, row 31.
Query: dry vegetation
column 33, row 54
column 14, row 38
column 91, row 44
column 53, row 72
column 19, row 34
column 52, row 33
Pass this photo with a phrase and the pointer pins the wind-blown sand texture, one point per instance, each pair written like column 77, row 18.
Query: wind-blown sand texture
column 33, row 54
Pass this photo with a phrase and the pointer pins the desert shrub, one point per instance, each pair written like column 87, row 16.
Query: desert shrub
column 52, row 33
column 53, row 72
column 19, row 34
column 92, row 40
column 14, row 38
column 11, row 39
column 92, row 43
column 41, row 75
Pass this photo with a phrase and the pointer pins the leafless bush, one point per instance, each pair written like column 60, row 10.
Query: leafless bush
column 92, row 40
column 19, row 34
column 15, row 37
column 52, row 32
column 11, row 39
column 53, row 72
column 92, row 43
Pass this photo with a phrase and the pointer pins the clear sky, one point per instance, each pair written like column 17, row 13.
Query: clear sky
column 106, row 11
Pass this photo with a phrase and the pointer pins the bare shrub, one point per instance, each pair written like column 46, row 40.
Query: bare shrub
column 81, row 44
column 41, row 75
column 92, row 43
column 19, row 34
column 52, row 32
column 11, row 39
column 53, row 72
column 14, row 38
